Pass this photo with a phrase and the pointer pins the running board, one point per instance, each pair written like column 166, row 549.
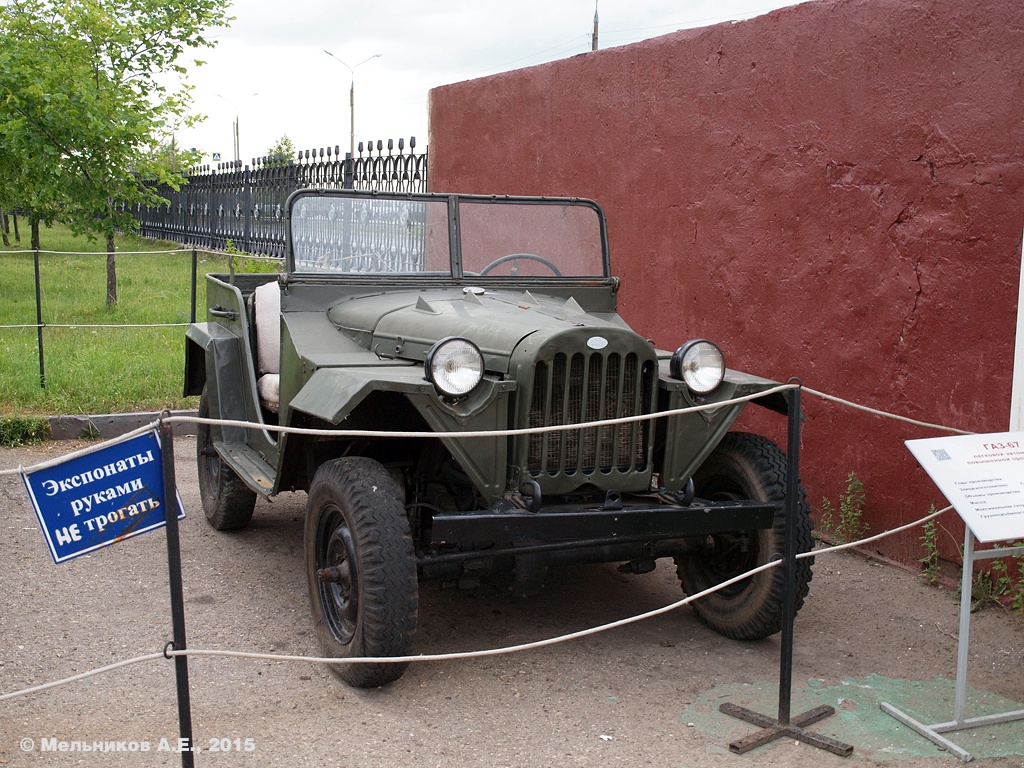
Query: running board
column 252, row 468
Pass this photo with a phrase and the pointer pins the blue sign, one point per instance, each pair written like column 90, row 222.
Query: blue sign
column 98, row 498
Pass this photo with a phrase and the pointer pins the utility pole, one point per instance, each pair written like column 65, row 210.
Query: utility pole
column 235, row 138
column 594, row 45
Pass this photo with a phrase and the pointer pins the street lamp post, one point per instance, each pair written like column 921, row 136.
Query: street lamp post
column 234, row 128
column 352, row 97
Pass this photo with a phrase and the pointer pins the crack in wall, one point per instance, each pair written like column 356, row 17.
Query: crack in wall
column 912, row 315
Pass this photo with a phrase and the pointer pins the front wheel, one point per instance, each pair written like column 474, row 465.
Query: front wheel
column 361, row 569
column 745, row 466
column 228, row 503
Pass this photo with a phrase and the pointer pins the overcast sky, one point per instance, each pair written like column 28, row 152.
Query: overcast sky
column 269, row 67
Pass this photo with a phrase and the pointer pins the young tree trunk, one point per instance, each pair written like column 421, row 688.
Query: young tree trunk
column 111, row 272
column 5, row 227
column 34, row 225
column 17, row 234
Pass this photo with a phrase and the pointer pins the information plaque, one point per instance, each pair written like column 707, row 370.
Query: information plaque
column 982, row 476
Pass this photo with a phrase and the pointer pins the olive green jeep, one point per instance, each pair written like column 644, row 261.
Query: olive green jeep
column 449, row 356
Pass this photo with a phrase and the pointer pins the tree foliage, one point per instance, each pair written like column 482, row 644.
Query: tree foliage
column 282, row 151
column 85, row 105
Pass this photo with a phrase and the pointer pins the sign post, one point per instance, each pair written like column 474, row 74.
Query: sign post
column 114, row 492
column 177, row 601
column 982, row 476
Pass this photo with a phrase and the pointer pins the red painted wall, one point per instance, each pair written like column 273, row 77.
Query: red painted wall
column 833, row 191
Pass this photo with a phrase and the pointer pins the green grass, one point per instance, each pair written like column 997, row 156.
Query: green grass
column 96, row 370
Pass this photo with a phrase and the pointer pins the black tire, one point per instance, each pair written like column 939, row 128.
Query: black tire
column 745, row 466
column 227, row 501
column 361, row 569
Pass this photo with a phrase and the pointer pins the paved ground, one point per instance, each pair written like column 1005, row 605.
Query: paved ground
column 646, row 694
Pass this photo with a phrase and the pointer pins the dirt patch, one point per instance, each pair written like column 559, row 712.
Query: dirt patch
column 646, row 693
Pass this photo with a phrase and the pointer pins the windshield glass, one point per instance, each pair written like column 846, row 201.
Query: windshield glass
column 497, row 237
column 364, row 235
column 505, row 238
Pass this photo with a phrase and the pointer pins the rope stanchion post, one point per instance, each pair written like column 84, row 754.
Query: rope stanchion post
column 785, row 725
column 789, row 556
column 170, row 502
column 39, row 322
column 195, row 270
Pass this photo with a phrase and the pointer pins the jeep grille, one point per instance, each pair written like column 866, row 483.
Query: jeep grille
column 572, row 389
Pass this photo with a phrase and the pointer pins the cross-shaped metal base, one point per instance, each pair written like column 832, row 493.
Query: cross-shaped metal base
column 772, row 729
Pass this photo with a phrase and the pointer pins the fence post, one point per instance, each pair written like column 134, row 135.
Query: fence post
column 348, row 173
column 247, row 203
column 210, row 212
column 39, row 323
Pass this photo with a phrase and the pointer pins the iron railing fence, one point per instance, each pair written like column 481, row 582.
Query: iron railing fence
column 228, row 206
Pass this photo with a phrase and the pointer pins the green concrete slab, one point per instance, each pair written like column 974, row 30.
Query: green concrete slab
column 859, row 720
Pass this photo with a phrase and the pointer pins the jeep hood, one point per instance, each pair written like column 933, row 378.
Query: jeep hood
column 406, row 324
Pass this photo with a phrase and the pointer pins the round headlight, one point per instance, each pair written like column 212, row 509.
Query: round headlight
column 454, row 366
column 700, row 364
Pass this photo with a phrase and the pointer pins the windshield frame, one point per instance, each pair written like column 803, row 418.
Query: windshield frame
column 454, row 216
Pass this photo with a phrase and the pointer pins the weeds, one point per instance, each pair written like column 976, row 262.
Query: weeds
column 930, row 567
column 23, row 430
column 850, row 525
column 999, row 585
column 242, row 262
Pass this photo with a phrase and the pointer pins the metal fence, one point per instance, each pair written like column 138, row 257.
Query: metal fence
column 243, row 207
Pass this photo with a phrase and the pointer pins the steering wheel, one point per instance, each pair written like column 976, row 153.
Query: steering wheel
column 516, row 257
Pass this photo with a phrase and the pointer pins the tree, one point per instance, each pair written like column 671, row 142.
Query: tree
column 84, row 105
column 282, row 151
column 167, row 154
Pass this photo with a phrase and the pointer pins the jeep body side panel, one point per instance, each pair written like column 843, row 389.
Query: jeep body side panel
column 231, row 381
column 309, row 342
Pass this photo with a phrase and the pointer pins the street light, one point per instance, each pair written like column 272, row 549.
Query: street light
column 234, row 127
column 352, row 97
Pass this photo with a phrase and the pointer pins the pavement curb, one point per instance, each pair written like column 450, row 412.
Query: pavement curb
column 109, row 425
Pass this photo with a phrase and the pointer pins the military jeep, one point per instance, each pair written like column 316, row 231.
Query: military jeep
column 474, row 408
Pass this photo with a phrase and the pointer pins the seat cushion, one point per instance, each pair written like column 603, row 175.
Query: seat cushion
column 269, row 388
column 268, row 328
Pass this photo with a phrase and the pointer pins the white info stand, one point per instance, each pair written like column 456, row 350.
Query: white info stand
column 982, row 476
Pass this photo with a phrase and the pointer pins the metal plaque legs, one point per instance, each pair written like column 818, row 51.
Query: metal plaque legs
column 959, row 722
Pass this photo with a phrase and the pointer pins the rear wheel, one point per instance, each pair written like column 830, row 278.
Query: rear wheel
column 745, row 466
column 227, row 502
column 361, row 568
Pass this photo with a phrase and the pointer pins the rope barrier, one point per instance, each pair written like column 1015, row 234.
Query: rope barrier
column 99, row 253
column 81, row 676
column 99, row 325
column 876, row 537
column 463, row 435
column 876, row 412
column 494, row 651
column 185, row 250
column 385, row 434
column 505, row 650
